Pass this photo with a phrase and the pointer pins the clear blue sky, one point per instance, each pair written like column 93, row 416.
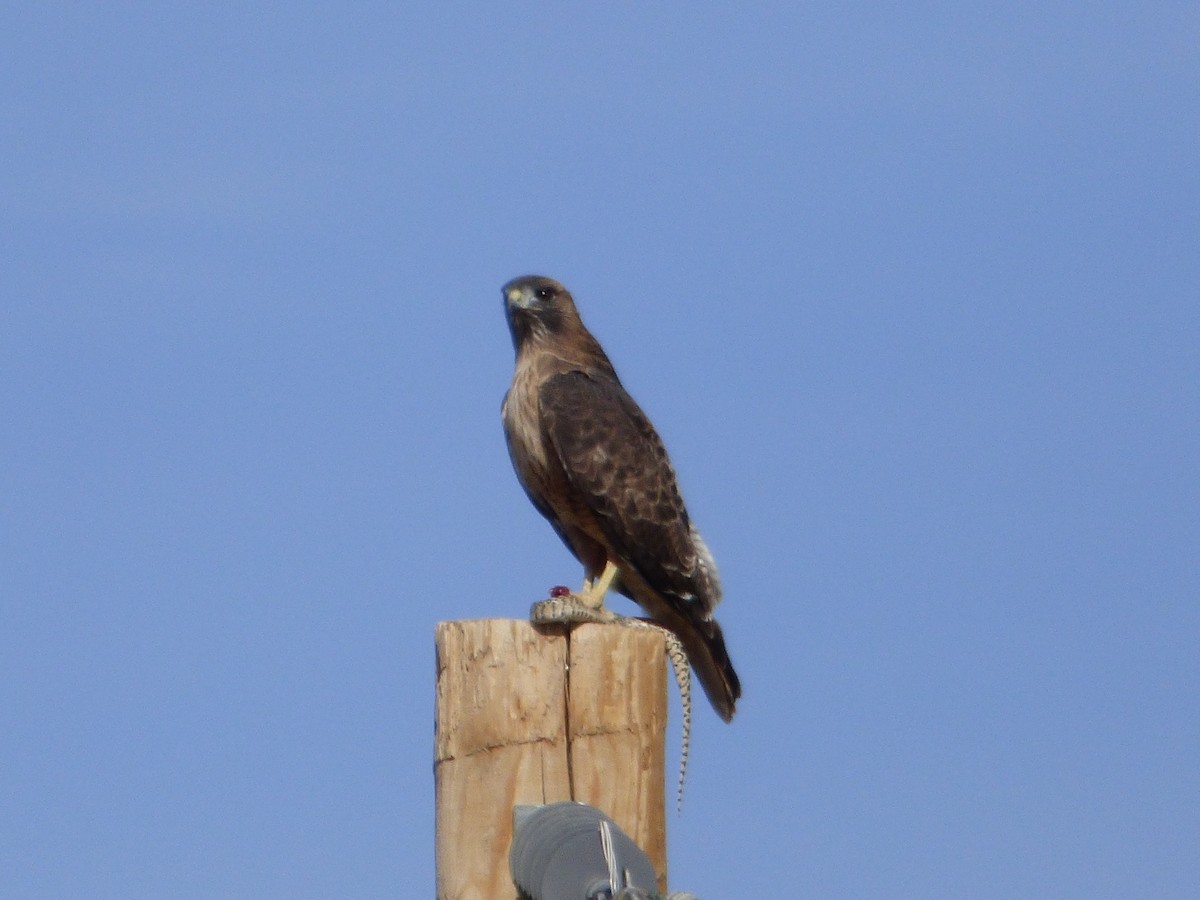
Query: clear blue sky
column 911, row 291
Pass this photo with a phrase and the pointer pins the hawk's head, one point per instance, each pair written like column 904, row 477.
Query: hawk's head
column 538, row 307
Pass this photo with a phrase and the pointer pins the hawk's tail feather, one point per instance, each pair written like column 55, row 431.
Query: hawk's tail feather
column 699, row 633
column 705, row 645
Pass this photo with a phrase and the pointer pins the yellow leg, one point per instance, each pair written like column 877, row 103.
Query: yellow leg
column 593, row 592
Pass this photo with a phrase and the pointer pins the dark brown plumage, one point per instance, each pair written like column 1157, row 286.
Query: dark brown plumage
column 594, row 466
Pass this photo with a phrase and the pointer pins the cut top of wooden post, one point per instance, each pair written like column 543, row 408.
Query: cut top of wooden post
column 538, row 715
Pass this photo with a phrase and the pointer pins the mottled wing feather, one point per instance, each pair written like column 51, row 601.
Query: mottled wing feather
column 613, row 457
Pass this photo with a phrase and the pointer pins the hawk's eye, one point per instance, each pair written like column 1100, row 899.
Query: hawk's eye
column 545, row 293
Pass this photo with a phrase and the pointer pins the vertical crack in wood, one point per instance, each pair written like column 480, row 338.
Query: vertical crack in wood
column 567, row 714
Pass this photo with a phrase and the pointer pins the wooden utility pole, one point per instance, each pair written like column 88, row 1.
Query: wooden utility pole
column 538, row 715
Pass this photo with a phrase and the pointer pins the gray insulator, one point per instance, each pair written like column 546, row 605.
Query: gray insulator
column 557, row 854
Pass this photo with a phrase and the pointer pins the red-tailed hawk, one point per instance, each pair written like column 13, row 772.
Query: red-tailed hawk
column 594, row 466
